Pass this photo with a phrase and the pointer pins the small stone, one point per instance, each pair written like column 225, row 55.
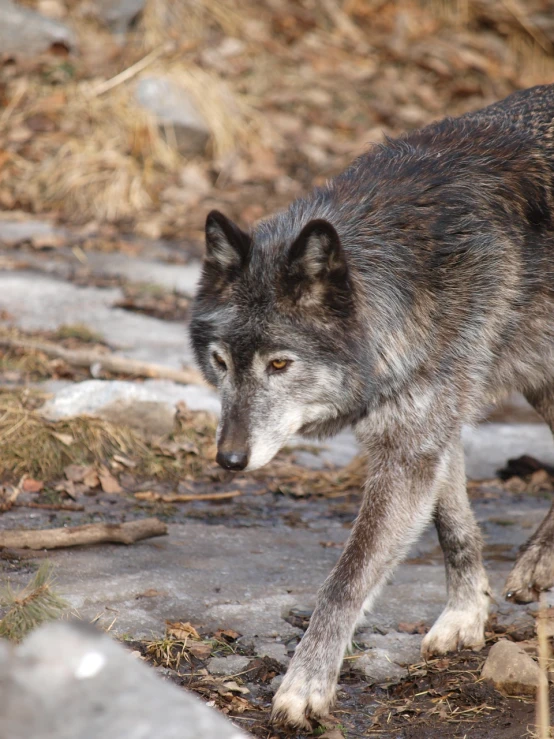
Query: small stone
column 377, row 666
column 176, row 113
column 275, row 684
column 119, row 14
column 26, row 33
column 275, row 650
column 511, row 669
column 228, row 665
column 388, row 655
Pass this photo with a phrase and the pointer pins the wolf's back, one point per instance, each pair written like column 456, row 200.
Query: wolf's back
column 531, row 109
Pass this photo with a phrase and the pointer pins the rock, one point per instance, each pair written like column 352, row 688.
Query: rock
column 275, row 650
column 26, row 33
column 69, row 681
column 17, row 232
column 118, row 15
column 231, row 665
column 148, row 407
column 388, row 654
column 149, row 417
column 176, row 113
column 511, row 669
column 275, row 684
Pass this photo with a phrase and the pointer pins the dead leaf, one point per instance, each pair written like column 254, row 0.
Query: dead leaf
column 228, row 635
column 76, row 472
column 31, row 486
column 150, row 593
column 200, row 651
column 108, row 482
column 416, row 627
column 67, row 487
column 233, row 687
column 46, row 241
column 182, row 631
column 238, row 704
column 91, row 478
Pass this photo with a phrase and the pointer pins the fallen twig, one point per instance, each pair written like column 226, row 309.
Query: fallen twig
column 94, row 533
column 50, row 506
column 108, row 362
column 175, row 498
column 131, row 71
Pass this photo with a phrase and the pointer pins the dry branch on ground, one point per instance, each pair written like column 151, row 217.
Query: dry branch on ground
column 104, row 361
column 94, row 533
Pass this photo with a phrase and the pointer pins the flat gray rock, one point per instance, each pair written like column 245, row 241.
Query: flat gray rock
column 26, row 33
column 16, row 232
column 44, row 303
column 72, row 682
column 231, row 665
column 118, row 399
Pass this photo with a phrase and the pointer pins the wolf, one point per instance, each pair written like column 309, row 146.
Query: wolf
column 399, row 299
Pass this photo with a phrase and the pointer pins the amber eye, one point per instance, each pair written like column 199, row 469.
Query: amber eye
column 219, row 360
column 279, row 364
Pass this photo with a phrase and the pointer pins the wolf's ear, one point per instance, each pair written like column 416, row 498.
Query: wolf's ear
column 317, row 252
column 226, row 244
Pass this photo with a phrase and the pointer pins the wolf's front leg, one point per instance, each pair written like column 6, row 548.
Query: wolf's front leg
column 462, row 623
column 398, row 502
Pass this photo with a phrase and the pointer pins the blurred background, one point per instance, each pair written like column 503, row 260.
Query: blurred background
column 138, row 116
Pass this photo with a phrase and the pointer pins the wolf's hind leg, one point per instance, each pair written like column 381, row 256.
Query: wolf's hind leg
column 462, row 623
column 534, row 567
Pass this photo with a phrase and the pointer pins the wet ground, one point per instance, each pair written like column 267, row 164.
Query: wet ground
column 251, row 565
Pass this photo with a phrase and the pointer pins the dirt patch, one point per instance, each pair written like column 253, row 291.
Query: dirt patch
column 442, row 696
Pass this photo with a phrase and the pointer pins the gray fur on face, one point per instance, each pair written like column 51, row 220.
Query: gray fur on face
column 408, row 292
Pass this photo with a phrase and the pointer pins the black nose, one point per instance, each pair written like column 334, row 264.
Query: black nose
column 232, row 460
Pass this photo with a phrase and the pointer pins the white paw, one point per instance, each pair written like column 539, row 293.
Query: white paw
column 302, row 697
column 457, row 629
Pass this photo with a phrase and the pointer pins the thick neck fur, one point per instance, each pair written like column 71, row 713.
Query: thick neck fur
column 425, row 221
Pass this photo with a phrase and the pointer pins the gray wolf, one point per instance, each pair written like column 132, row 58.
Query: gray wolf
column 399, row 299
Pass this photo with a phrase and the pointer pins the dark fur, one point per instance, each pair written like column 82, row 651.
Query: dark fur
column 423, row 276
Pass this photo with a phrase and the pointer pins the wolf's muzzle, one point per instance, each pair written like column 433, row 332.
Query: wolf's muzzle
column 232, row 460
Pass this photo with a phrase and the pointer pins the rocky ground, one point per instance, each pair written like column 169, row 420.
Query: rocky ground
column 242, row 570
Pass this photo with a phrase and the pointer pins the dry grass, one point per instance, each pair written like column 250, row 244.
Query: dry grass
column 168, row 18
column 74, row 143
column 30, row 444
column 106, row 168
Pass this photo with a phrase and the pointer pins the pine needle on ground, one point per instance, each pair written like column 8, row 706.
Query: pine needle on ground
column 33, row 605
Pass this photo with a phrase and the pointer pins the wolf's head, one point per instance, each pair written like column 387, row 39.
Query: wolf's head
column 274, row 328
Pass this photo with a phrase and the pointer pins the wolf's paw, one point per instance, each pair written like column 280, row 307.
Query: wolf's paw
column 532, row 573
column 302, row 696
column 457, row 629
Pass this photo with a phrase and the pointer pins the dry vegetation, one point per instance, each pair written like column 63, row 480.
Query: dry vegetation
column 290, row 91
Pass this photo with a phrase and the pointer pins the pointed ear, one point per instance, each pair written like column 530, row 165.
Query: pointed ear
column 226, row 244
column 317, row 252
